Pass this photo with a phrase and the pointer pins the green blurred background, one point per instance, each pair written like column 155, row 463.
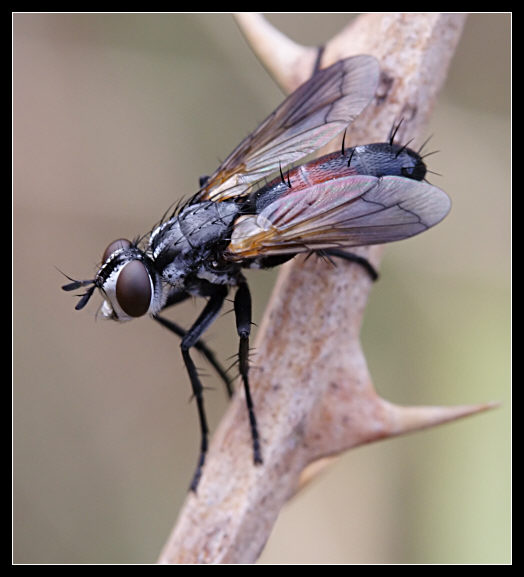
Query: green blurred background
column 115, row 117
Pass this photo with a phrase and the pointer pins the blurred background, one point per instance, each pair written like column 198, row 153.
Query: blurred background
column 115, row 117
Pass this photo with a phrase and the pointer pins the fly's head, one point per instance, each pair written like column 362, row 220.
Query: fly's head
column 127, row 281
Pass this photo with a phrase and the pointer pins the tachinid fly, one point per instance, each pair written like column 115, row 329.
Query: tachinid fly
column 369, row 194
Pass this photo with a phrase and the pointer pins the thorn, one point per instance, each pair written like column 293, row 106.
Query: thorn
column 266, row 41
column 403, row 419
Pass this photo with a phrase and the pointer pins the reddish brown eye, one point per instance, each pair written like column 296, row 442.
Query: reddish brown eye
column 133, row 289
column 115, row 245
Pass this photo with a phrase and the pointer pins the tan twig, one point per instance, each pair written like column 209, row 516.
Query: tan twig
column 312, row 390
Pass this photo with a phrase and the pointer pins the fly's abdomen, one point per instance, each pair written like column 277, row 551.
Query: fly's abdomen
column 385, row 159
column 325, row 168
column 379, row 159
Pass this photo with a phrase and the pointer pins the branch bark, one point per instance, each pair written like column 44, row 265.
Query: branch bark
column 312, row 390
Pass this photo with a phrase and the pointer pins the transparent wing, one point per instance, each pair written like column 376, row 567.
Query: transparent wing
column 308, row 119
column 350, row 211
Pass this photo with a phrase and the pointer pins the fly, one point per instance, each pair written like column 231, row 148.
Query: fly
column 365, row 195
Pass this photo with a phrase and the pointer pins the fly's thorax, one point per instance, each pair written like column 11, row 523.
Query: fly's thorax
column 207, row 222
column 188, row 245
column 129, row 283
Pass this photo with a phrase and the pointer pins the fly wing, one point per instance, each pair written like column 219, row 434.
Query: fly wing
column 308, row 119
column 350, row 211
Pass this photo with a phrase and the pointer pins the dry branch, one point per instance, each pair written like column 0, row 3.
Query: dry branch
column 312, row 392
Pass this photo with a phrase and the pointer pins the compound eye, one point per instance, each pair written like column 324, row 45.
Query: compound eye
column 115, row 245
column 133, row 289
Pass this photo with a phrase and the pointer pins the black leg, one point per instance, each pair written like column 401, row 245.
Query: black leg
column 201, row 347
column 352, row 257
column 243, row 321
column 190, row 339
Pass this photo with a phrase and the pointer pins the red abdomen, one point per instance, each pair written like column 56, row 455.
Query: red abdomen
column 328, row 167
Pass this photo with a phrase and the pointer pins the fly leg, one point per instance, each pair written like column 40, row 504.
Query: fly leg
column 243, row 322
column 201, row 347
column 189, row 340
column 352, row 257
